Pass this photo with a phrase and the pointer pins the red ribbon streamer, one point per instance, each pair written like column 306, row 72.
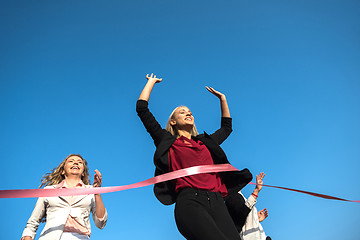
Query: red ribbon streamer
column 309, row 193
column 28, row 193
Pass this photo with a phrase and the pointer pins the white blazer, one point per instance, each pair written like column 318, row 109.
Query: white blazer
column 57, row 210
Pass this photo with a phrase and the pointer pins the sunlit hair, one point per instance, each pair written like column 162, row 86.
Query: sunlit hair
column 56, row 176
column 172, row 129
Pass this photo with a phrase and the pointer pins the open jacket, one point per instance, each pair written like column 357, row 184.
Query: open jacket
column 163, row 140
column 56, row 210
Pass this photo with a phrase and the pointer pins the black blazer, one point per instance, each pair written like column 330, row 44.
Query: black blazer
column 165, row 191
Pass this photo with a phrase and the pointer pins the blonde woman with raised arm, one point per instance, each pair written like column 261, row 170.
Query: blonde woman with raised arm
column 67, row 217
column 200, row 212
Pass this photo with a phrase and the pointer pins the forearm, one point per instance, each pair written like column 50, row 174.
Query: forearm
column 225, row 112
column 34, row 220
column 99, row 206
column 256, row 191
column 145, row 94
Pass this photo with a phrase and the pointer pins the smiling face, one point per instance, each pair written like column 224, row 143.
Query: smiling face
column 182, row 118
column 74, row 166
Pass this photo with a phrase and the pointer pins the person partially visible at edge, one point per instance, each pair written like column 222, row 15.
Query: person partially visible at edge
column 200, row 212
column 67, row 217
column 252, row 229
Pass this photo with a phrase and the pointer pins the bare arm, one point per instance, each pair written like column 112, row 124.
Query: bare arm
column 145, row 94
column 99, row 205
column 225, row 112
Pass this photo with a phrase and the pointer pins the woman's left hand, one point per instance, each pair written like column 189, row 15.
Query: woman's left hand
column 216, row 93
column 263, row 214
column 97, row 179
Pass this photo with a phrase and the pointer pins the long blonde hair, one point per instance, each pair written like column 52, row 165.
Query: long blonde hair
column 172, row 129
column 56, row 176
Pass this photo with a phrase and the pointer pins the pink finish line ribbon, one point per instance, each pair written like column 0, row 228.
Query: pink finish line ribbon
column 28, row 193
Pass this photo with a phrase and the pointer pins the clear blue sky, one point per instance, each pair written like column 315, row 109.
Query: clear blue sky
column 71, row 72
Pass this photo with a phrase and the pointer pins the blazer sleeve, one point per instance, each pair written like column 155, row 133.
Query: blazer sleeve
column 99, row 222
column 224, row 131
column 151, row 124
column 35, row 218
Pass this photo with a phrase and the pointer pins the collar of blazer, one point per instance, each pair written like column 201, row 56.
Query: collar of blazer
column 72, row 200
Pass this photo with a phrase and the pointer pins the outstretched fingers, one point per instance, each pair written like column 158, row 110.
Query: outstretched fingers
column 263, row 214
column 213, row 91
column 261, row 176
column 153, row 77
column 259, row 180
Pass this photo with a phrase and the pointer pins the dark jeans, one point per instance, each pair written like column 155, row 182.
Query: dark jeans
column 202, row 215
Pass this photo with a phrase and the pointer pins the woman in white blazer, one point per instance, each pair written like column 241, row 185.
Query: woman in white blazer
column 67, row 217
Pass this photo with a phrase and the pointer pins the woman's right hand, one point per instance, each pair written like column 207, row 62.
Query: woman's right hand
column 153, row 78
column 259, row 181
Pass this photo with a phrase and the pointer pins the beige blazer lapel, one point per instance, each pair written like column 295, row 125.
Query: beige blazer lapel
column 71, row 200
column 64, row 198
column 77, row 199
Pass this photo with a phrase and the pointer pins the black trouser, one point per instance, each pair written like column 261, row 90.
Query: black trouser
column 202, row 215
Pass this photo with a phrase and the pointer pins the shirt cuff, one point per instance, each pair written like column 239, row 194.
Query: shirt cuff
column 28, row 233
column 142, row 104
column 103, row 218
column 250, row 202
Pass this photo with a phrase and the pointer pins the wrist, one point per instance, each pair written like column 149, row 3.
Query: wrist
column 255, row 195
column 223, row 98
column 152, row 81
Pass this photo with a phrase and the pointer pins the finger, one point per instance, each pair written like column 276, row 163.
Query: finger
column 97, row 173
column 147, row 75
column 98, row 179
column 209, row 90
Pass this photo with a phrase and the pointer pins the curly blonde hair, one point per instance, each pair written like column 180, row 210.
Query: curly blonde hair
column 56, row 176
column 172, row 129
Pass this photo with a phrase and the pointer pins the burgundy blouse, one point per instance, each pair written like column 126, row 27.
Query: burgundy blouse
column 186, row 153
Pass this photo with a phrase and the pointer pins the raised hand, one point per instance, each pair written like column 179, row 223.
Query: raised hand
column 97, row 179
column 259, row 181
column 263, row 214
column 225, row 112
column 216, row 93
column 153, row 78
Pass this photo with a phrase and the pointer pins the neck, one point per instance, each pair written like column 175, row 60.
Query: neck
column 184, row 133
column 71, row 181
